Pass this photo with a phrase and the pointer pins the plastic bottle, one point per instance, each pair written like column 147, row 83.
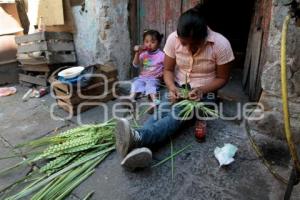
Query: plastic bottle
column 41, row 25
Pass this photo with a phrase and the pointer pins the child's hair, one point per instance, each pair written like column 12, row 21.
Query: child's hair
column 192, row 24
column 154, row 34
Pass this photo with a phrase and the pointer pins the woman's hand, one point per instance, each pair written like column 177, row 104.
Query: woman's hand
column 174, row 94
column 196, row 94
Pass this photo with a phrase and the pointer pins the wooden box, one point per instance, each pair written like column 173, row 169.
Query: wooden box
column 70, row 98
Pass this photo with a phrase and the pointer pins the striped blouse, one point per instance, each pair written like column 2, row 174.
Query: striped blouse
column 199, row 69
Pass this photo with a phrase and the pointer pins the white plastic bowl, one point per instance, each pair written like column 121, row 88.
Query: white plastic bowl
column 71, row 72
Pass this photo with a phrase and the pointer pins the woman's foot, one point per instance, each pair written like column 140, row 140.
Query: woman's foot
column 137, row 158
column 126, row 138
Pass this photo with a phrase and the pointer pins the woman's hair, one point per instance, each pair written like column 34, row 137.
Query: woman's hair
column 192, row 24
column 154, row 34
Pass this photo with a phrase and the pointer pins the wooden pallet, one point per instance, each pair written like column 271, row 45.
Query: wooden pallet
column 46, row 48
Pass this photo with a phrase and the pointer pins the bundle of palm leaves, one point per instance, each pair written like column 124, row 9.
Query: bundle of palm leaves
column 65, row 160
column 188, row 107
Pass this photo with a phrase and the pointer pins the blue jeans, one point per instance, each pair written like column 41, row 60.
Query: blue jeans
column 159, row 129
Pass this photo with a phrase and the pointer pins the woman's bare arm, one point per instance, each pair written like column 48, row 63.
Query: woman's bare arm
column 222, row 77
column 169, row 68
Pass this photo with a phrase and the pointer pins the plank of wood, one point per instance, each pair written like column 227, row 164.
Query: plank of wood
column 151, row 16
column 32, row 79
column 46, row 46
column 247, row 61
column 36, row 68
column 96, row 88
column 69, row 25
column 51, row 12
column 56, row 58
column 75, row 99
column 190, row 4
column 246, row 69
column 39, row 36
column 60, row 46
column 258, row 87
column 59, row 36
column 89, row 90
column 21, row 7
column 255, row 60
column 73, row 109
column 134, row 34
column 55, row 84
column 44, row 36
column 76, row 2
column 42, row 46
column 25, row 59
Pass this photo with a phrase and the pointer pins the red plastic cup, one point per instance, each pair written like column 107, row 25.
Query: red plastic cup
column 200, row 130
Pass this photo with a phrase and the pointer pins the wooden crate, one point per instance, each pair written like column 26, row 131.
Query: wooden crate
column 108, row 71
column 75, row 109
column 68, row 97
column 46, row 48
column 96, row 90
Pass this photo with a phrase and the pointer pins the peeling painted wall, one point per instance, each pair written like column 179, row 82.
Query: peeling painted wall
column 103, row 34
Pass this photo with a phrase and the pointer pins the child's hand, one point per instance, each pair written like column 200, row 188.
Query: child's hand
column 139, row 48
column 136, row 48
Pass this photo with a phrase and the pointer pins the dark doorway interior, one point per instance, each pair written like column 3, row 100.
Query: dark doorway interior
column 232, row 18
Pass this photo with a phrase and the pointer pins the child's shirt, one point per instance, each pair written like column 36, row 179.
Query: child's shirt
column 152, row 64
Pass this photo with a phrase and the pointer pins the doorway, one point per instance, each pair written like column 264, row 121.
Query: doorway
column 231, row 18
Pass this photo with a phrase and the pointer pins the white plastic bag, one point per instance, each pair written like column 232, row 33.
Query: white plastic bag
column 225, row 154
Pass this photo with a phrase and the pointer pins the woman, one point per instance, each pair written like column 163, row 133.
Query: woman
column 194, row 55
